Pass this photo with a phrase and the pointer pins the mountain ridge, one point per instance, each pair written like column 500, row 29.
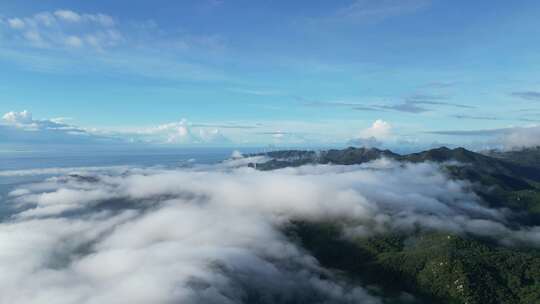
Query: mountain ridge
column 435, row 267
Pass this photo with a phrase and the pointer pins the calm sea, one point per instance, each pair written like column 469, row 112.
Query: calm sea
column 15, row 165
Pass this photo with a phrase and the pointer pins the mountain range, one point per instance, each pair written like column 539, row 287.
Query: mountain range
column 434, row 266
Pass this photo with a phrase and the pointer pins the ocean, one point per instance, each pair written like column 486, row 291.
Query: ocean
column 22, row 167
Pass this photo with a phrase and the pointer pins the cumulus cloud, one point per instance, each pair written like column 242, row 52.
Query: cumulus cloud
column 65, row 29
column 21, row 127
column 183, row 132
column 214, row 234
column 24, row 121
column 178, row 132
column 18, row 118
column 373, row 136
column 379, row 129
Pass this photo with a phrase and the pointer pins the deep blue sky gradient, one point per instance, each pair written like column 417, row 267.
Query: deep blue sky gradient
column 308, row 68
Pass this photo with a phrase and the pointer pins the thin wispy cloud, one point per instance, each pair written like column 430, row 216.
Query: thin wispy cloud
column 407, row 106
column 527, row 95
column 375, row 11
column 69, row 42
column 340, row 104
column 256, row 92
column 473, row 117
column 493, row 118
column 225, row 126
column 480, row 132
column 290, row 137
column 439, row 84
column 506, row 138
column 413, row 104
column 63, row 29
column 416, row 106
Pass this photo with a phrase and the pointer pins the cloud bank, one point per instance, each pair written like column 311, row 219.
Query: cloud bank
column 522, row 138
column 506, row 138
column 21, row 127
column 182, row 132
column 214, row 234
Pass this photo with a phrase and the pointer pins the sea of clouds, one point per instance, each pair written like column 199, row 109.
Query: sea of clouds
column 214, row 234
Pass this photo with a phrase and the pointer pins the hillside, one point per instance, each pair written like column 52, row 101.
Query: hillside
column 435, row 267
column 349, row 156
column 527, row 156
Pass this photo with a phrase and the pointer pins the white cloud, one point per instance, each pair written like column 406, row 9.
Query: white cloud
column 16, row 23
column 506, row 138
column 521, row 138
column 278, row 134
column 213, row 136
column 373, row 11
column 44, row 18
column 74, row 41
column 68, row 15
column 102, row 19
column 63, row 171
column 24, row 120
column 208, row 236
column 23, row 117
column 236, row 154
column 65, row 29
column 34, row 38
column 380, row 129
column 21, row 127
column 182, row 132
column 176, row 132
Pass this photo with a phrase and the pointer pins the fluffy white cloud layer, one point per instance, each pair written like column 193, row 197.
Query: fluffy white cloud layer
column 214, row 235
column 522, row 138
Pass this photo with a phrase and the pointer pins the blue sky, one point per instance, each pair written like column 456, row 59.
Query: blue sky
column 210, row 72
